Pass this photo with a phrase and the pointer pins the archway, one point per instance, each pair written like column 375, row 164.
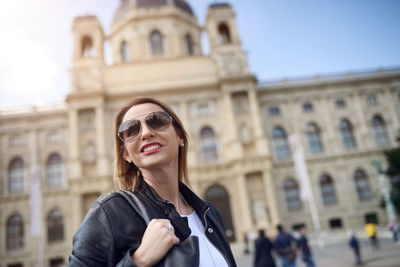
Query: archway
column 219, row 197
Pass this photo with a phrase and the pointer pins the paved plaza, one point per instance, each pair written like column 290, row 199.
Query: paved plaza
column 340, row 255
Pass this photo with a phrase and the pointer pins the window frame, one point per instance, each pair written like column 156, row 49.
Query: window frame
column 15, row 232
column 328, row 190
column 291, row 191
column 280, row 143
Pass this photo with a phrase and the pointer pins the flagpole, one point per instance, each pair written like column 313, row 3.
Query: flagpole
column 306, row 192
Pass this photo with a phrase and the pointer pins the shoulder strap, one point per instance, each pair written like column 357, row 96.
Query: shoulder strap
column 135, row 202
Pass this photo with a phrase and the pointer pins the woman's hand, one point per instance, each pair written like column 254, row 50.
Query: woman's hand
column 157, row 240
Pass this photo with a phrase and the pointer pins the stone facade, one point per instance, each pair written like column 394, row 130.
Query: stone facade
column 239, row 155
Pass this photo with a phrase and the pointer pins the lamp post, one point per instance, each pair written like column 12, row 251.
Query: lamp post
column 385, row 190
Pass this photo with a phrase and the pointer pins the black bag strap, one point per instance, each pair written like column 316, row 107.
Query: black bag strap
column 136, row 204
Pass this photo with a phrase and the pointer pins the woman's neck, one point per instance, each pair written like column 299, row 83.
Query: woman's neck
column 165, row 183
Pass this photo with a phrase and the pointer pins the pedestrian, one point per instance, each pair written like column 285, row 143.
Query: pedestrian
column 355, row 246
column 246, row 244
column 394, row 228
column 263, row 248
column 370, row 230
column 302, row 244
column 150, row 146
column 285, row 246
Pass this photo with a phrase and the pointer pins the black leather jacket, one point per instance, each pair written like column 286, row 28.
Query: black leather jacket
column 112, row 230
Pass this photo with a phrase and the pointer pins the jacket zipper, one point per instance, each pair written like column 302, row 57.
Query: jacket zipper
column 205, row 230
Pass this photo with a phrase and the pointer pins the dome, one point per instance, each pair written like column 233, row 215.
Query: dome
column 127, row 5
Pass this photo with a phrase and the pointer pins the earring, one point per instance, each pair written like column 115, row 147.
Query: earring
column 182, row 145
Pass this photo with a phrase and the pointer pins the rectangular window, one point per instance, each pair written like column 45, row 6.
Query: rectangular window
column 335, row 223
column 16, row 140
column 57, row 262
column 274, row 111
column 240, row 103
column 203, row 109
column 307, row 107
column 372, row 99
column 340, row 103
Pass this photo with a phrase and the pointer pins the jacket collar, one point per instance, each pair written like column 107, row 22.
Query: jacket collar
column 191, row 198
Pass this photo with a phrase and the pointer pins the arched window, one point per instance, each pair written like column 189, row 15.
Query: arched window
column 362, row 185
column 346, row 130
column 55, row 226
column 124, row 52
column 54, row 171
column 280, row 144
column 189, row 44
column 16, row 176
column 156, row 41
column 87, row 48
column 15, row 232
column 327, row 190
column 379, row 130
column 208, row 144
column 314, row 138
column 292, row 195
column 224, row 35
column 218, row 195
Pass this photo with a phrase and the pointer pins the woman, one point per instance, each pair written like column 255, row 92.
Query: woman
column 151, row 147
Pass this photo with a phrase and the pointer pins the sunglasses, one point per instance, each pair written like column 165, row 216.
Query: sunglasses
column 130, row 130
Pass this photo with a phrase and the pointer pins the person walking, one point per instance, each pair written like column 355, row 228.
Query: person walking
column 370, row 230
column 355, row 246
column 263, row 249
column 394, row 228
column 285, row 246
column 302, row 244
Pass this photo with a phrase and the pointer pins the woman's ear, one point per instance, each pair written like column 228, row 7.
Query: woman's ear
column 180, row 141
column 125, row 155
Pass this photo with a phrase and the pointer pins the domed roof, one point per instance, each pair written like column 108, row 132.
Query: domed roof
column 127, row 5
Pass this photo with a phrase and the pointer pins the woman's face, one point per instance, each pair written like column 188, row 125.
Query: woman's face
column 151, row 149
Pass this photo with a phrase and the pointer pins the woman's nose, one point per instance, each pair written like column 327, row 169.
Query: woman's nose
column 146, row 131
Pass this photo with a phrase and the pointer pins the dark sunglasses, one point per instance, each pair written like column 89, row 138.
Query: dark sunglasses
column 158, row 121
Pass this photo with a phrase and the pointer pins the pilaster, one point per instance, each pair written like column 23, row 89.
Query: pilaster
column 75, row 167
column 244, row 209
column 102, row 162
column 260, row 140
column 269, row 188
column 234, row 147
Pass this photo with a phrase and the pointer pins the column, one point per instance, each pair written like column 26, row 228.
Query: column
column 260, row 140
column 102, row 162
column 269, row 189
column 392, row 126
column 75, row 168
column 330, row 133
column 244, row 206
column 185, row 118
column 362, row 130
column 231, row 140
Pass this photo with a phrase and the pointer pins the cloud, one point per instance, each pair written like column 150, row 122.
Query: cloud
column 29, row 73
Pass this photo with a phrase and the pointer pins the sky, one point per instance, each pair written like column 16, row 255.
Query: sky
column 282, row 38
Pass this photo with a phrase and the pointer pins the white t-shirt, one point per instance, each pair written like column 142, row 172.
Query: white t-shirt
column 209, row 254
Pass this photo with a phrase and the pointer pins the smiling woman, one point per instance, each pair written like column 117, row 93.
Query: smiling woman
column 150, row 161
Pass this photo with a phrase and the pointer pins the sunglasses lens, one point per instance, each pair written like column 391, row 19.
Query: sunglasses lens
column 158, row 121
column 131, row 131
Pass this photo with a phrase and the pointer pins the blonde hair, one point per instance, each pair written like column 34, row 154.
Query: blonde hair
column 127, row 175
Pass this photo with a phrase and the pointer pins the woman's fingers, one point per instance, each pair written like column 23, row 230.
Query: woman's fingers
column 157, row 240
